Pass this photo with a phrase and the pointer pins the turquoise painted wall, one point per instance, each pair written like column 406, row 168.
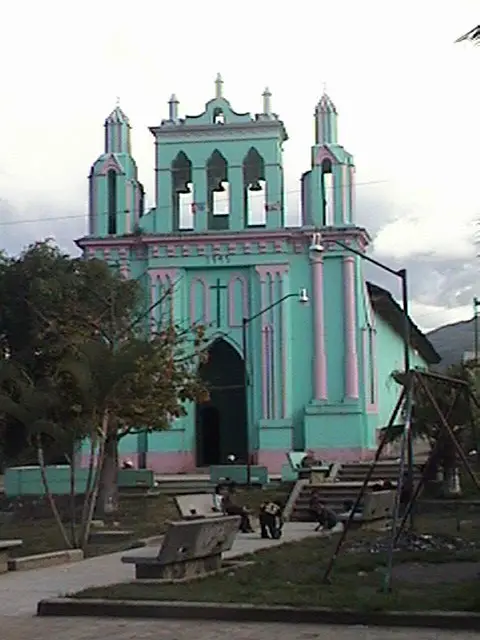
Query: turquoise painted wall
column 389, row 357
column 273, row 261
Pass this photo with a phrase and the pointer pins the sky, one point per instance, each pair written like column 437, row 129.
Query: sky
column 408, row 102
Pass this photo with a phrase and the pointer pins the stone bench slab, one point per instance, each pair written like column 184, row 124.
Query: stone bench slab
column 10, row 544
column 5, row 548
column 41, row 560
column 190, row 548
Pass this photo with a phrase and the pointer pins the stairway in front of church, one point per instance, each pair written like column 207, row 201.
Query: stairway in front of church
column 347, row 486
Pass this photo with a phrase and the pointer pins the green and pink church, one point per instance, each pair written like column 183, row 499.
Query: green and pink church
column 319, row 372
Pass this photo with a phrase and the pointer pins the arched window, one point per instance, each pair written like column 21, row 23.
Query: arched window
column 112, row 201
column 182, row 192
column 255, row 188
column 218, row 116
column 218, row 191
column 327, row 192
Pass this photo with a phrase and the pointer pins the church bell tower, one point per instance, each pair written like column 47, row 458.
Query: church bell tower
column 116, row 197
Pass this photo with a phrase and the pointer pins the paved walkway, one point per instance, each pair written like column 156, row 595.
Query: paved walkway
column 108, row 629
column 20, row 591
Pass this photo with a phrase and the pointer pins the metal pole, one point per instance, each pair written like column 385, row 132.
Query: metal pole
column 476, row 304
column 409, row 391
column 247, row 398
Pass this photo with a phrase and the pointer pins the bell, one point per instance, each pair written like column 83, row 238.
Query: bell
column 255, row 186
column 219, row 188
column 184, row 189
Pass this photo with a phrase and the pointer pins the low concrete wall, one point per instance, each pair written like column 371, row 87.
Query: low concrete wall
column 45, row 560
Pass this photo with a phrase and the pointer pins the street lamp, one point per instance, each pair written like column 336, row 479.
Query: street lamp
column 303, row 298
column 476, row 305
column 317, row 247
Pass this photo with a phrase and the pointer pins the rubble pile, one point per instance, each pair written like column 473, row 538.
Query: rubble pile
column 412, row 542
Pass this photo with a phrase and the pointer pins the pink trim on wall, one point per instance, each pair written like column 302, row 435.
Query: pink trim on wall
column 325, row 153
column 110, row 163
column 263, row 297
column 351, row 357
column 352, row 454
column 237, row 277
column 204, row 316
column 84, row 459
column 267, row 275
column 124, row 263
column 242, row 239
column 320, row 357
column 272, row 459
column 172, row 462
column 283, row 352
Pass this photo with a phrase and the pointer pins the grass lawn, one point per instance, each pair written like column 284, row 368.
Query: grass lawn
column 146, row 516
column 292, row 575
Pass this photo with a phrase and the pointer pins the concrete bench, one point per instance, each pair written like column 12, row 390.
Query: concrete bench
column 238, row 474
column 378, row 508
column 189, row 549
column 315, row 474
column 5, row 547
column 196, row 505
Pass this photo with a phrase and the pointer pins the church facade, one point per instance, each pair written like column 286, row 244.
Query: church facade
column 321, row 342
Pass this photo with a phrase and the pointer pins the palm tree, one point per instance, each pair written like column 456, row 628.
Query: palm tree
column 33, row 404
column 472, row 36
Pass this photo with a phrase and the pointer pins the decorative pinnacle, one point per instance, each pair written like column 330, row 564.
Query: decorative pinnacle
column 173, row 107
column 219, row 86
column 267, row 106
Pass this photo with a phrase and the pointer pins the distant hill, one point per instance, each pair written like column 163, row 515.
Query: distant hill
column 452, row 341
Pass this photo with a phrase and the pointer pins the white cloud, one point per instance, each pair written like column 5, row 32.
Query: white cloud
column 429, row 317
column 407, row 96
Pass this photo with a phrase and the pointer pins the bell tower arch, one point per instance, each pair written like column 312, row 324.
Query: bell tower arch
column 235, row 167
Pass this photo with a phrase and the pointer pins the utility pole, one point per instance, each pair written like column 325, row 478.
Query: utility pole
column 476, row 305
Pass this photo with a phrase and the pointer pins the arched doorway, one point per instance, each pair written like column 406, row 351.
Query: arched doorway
column 221, row 423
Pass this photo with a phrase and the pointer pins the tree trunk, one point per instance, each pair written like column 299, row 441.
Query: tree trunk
column 73, row 510
column 107, row 503
column 48, row 493
column 91, row 502
column 90, row 480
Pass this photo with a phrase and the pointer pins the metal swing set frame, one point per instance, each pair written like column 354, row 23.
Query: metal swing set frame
column 411, row 381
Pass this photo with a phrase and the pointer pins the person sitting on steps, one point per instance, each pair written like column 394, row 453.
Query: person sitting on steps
column 218, row 495
column 324, row 516
column 232, row 509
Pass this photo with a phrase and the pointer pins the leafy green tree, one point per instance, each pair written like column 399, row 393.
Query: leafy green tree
column 426, row 424
column 80, row 326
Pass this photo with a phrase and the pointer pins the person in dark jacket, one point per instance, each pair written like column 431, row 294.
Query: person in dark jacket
column 324, row 516
column 271, row 521
column 233, row 509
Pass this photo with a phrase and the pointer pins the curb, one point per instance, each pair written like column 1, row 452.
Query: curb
column 71, row 607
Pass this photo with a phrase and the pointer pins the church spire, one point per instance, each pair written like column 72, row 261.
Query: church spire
column 117, row 132
column 218, row 86
column 325, row 121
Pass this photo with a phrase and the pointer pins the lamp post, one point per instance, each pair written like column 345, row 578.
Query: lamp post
column 317, row 246
column 476, row 305
column 302, row 296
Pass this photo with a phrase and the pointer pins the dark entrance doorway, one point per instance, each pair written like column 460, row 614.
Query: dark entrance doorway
column 221, row 423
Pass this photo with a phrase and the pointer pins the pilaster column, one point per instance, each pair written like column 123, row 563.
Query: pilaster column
column 351, row 357
column 262, row 273
column 320, row 359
